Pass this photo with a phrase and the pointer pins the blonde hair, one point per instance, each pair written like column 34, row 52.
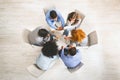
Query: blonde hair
column 77, row 35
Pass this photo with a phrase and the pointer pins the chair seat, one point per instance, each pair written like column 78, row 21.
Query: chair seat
column 92, row 38
column 35, row 71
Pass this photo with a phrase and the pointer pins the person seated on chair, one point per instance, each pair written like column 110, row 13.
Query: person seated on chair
column 71, row 56
column 55, row 20
column 48, row 56
column 79, row 37
column 40, row 36
column 74, row 20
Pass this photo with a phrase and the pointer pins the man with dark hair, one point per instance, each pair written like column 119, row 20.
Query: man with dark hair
column 55, row 20
column 40, row 36
column 43, row 33
column 71, row 57
column 53, row 14
column 48, row 56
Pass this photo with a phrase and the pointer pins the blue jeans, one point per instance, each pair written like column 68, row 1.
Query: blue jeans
column 66, row 32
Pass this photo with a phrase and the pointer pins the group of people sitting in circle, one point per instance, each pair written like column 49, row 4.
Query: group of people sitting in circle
column 69, row 54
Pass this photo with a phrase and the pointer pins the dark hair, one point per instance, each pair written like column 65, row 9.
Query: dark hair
column 53, row 14
column 71, row 15
column 72, row 51
column 50, row 49
column 43, row 33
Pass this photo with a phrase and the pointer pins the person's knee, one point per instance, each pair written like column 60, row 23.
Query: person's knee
column 66, row 32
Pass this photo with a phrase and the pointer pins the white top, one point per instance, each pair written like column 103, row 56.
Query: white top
column 70, row 27
column 84, row 42
column 44, row 62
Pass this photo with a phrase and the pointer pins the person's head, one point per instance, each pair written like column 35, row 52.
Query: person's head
column 71, row 51
column 43, row 33
column 72, row 16
column 53, row 14
column 50, row 49
column 77, row 35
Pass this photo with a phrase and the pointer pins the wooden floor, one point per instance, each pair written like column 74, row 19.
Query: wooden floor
column 101, row 62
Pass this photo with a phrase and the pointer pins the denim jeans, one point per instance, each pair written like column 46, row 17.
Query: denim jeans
column 66, row 32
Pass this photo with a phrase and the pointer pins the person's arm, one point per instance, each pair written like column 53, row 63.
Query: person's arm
column 61, row 51
column 71, row 27
column 79, row 53
column 61, row 18
column 50, row 23
column 68, row 23
column 77, row 24
column 53, row 36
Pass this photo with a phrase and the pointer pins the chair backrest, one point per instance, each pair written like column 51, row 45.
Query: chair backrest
column 82, row 16
column 92, row 38
column 35, row 71
column 26, row 32
column 75, row 69
column 48, row 8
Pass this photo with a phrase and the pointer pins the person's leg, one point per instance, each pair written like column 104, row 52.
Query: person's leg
column 66, row 32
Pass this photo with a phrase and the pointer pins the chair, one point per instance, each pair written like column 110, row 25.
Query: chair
column 77, row 68
column 26, row 32
column 35, row 71
column 48, row 8
column 82, row 16
column 92, row 38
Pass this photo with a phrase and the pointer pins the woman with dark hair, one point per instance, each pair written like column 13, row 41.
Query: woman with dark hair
column 74, row 20
column 48, row 56
column 40, row 36
column 71, row 56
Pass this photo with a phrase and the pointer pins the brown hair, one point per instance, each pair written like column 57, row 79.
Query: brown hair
column 77, row 35
column 72, row 51
column 73, row 15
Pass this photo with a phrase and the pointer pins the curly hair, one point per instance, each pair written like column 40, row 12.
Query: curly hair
column 50, row 49
column 77, row 35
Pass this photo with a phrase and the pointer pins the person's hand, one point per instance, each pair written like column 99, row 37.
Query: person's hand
column 53, row 31
column 56, row 37
column 72, row 21
column 67, row 38
column 60, row 28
